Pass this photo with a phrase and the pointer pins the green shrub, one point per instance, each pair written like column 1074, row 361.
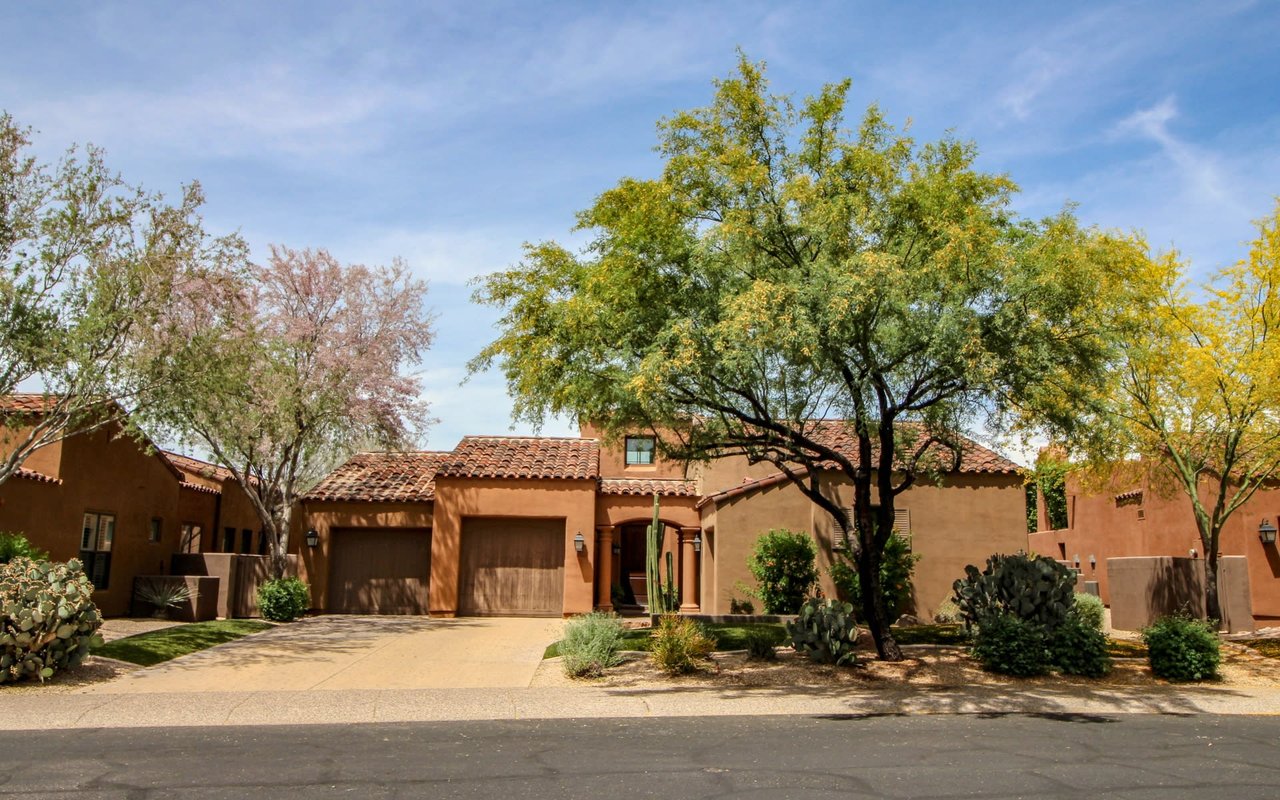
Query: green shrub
column 824, row 631
column 760, row 643
column 283, row 600
column 1077, row 647
column 1088, row 608
column 15, row 545
column 896, row 566
column 1182, row 649
column 591, row 644
column 47, row 620
column 737, row 606
column 680, row 645
column 1038, row 590
column 784, row 566
column 1010, row 645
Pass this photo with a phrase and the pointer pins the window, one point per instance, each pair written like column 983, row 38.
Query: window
column 96, row 535
column 639, row 450
column 153, row 533
column 246, row 541
column 901, row 526
column 190, row 538
column 262, row 543
column 228, row 540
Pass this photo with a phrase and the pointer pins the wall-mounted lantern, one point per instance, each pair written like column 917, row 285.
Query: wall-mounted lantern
column 697, row 542
column 1077, row 561
column 1093, row 562
column 617, row 548
column 1192, row 552
column 313, row 537
column 1267, row 532
column 579, row 543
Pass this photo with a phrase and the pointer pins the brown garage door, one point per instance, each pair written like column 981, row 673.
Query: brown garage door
column 512, row 567
column 379, row 570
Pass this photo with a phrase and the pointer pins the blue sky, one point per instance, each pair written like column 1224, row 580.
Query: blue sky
column 450, row 133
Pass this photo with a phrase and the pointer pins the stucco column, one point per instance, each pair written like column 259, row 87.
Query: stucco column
column 604, row 568
column 688, row 571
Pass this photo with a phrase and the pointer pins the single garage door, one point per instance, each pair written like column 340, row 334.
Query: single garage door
column 511, row 567
column 379, row 570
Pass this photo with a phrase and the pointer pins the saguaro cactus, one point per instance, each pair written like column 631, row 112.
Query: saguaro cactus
column 662, row 597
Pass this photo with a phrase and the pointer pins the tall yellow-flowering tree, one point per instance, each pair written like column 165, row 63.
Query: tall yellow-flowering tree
column 1198, row 394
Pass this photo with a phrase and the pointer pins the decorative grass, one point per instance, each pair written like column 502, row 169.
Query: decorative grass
column 159, row 646
column 728, row 636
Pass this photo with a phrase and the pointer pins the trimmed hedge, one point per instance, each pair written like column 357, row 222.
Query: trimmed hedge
column 283, row 599
column 1182, row 649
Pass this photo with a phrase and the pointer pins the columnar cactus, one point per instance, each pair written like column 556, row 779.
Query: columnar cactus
column 47, row 620
column 663, row 598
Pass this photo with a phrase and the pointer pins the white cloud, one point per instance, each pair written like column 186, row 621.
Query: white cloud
column 1200, row 169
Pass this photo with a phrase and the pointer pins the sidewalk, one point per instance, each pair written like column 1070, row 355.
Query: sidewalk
column 30, row 711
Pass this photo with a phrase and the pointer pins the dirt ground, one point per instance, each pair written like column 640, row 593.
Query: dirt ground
column 925, row 665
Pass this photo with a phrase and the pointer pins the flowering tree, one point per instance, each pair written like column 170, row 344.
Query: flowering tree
column 282, row 369
column 87, row 263
column 1198, row 393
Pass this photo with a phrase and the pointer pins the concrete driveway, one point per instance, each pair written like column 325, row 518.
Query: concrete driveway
column 345, row 652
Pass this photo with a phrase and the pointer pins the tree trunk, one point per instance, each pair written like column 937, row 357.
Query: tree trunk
column 870, row 556
column 1212, row 603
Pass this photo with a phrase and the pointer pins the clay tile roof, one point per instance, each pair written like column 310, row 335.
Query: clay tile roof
column 748, row 486
column 26, row 403
column 32, row 475
column 523, row 457
column 839, row 435
column 381, row 477
column 649, row 486
column 196, row 487
column 198, row 467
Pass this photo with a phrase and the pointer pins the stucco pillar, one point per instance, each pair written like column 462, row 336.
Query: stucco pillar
column 604, row 568
column 688, row 571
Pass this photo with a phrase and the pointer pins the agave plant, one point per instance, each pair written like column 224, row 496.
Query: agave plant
column 162, row 595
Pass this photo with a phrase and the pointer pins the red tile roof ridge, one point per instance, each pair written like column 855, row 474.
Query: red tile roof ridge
column 671, row 487
column 749, row 485
column 196, row 487
column 535, row 438
column 38, row 477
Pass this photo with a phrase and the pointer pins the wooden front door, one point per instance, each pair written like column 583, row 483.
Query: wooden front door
column 379, row 570
column 511, row 567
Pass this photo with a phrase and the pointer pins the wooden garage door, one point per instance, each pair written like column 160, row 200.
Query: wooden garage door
column 379, row 570
column 512, row 566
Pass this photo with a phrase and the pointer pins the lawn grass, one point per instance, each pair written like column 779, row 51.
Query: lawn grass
column 930, row 634
column 157, row 646
column 1126, row 648
column 1270, row 648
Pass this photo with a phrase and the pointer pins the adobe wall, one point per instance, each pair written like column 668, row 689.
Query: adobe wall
column 1145, row 588
column 313, row 562
column 456, row 498
column 46, row 460
column 1162, row 524
column 613, row 458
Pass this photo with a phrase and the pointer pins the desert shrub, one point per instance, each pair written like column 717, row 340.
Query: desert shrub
column 162, row 594
column 737, row 606
column 1008, row 644
column 1034, row 589
column 948, row 613
column 824, row 631
column 760, row 645
column 1078, row 647
column 47, row 620
column 784, row 566
column 896, row 567
column 591, row 644
column 1182, row 649
column 15, row 545
column 283, row 600
column 1088, row 608
column 680, row 645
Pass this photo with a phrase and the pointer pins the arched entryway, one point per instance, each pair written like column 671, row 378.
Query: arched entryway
column 627, row 544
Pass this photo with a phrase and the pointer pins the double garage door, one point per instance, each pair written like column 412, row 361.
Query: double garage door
column 506, row 567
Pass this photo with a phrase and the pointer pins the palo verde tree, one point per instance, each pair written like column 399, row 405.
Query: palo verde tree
column 280, row 370
column 1197, row 395
column 825, row 300
column 87, row 264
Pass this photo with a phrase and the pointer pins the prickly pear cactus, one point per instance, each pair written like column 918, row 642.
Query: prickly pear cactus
column 1038, row 590
column 824, row 631
column 47, row 620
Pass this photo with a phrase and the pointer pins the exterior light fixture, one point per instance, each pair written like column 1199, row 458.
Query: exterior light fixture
column 1077, row 561
column 617, row 548
column 1192, row 552
column 1267, row 532
column 1093, row 562
column 579, row 543
column 697, row 542
column 313, row 537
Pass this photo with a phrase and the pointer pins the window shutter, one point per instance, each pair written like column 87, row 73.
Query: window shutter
column 902, row 521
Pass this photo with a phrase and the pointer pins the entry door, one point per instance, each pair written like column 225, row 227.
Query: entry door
column 512, row 567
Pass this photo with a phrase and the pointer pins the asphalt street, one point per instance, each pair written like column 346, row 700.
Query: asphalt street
column 986, row 756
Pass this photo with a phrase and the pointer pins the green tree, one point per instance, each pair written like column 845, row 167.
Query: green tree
column 87, row 265
column 783, row 271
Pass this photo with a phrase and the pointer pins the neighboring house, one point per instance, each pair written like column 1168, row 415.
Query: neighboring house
column 552, row 526
column 218, row 515
column 1129, row 519
column 121, row 506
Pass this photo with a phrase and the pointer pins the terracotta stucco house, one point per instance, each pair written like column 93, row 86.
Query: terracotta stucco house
column 1134, row 519
column 552, row 526
column 121, row 506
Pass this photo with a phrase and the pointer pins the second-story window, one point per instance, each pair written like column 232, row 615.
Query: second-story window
column 639, row 450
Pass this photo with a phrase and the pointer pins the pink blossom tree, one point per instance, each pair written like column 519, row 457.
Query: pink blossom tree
column 286, row 368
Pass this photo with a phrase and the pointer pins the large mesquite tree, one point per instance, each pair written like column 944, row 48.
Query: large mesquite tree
column 783, row 271
column 282, row 369
column 87, row 266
